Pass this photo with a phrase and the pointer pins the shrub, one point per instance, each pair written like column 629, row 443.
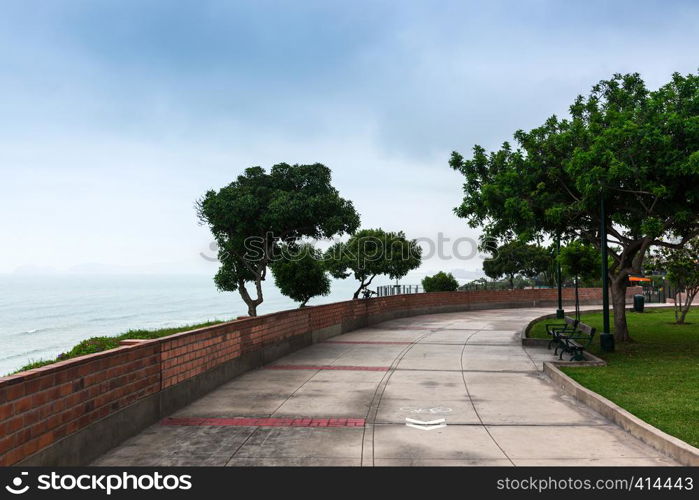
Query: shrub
column 440, row 282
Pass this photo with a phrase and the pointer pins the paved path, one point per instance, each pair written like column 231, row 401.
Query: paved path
column 345, row 401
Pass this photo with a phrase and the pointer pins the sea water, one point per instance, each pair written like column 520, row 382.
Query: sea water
column 43, row 316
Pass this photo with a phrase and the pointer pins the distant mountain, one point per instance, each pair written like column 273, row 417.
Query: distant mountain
column 98, row 268
column 34, row 270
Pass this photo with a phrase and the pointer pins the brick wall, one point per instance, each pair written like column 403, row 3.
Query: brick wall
column 39, row 407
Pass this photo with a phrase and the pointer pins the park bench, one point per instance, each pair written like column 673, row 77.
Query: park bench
column 571, row 337
column 556, row 330
column 575, row 343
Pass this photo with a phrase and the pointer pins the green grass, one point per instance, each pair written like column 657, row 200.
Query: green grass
column 655, row 377
column 99, row 344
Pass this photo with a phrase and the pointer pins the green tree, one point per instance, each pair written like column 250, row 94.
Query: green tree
column 440, row 282
column 515, row 258
column 579, row 261
column 636, row 149
column 300, row 274
column 370, row 253
column 548, row 265
column 682, row 268
column 252, row 215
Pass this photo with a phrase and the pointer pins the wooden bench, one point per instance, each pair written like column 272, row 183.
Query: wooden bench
column 576, row 342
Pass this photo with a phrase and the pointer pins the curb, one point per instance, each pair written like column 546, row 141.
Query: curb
column 671, row 446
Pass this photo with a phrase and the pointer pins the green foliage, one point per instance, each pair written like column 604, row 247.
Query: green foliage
column 580, row 260
column 682, row 268
column 370, row 253
column 655, row 377
column 35, row 364
column 440, row 282
column 250, row 218
column 91, row 346
column 638, row 149
column 516, row 258
column 518, row 282
column 300, row 273
column 99, row 344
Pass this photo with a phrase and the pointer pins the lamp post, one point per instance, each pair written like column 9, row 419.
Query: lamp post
column 606, row 338
column 560, row 313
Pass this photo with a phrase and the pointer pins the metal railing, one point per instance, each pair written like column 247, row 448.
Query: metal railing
column 654, row 295
column 387, row 290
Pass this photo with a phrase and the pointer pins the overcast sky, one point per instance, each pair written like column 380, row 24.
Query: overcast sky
column 117, row 115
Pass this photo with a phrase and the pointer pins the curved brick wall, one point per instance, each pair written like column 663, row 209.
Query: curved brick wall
column 73, row 411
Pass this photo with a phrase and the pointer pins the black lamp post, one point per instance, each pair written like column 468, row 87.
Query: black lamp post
column 560, row 313
column 606, row 338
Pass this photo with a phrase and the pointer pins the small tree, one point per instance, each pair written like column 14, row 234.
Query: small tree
column 440, row 282
column 370, row 253
column 515, row 258
column 579, row 261
column 300, row 274
column 252, row 215
column 682, row 267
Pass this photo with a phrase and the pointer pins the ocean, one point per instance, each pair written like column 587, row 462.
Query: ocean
column 42, row 316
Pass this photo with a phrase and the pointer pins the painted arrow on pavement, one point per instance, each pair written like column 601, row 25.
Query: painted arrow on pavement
column 426, row 426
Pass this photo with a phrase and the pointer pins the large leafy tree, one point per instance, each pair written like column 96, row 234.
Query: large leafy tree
column 370, row 253
column 516, row 258
column 252, row 215
column 299, row 273
column 638, row 150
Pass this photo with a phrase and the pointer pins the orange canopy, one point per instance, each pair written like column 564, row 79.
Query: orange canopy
column 638, row 278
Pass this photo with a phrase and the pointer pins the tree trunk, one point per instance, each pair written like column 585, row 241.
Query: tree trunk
column 363, row 286
column 689, row 298
column 245, row 295
column 252, row 309
column 512, row 281
column 618, row 286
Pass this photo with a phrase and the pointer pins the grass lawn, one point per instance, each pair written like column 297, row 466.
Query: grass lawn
column 98, row 344
column 655, row 377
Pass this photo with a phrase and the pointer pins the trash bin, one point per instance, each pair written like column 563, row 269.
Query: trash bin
column 638, row 303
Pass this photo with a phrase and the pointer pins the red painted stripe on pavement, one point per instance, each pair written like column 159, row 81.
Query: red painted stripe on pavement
column 265, row 422
column 377, row 342
column 329, row 367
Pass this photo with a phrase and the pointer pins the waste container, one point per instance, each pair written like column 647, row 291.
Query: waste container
column 638, row 303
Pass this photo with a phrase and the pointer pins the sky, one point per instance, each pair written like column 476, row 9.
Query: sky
column 115, row 116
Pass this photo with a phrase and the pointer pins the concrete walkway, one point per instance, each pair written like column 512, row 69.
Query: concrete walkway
column 345, row 402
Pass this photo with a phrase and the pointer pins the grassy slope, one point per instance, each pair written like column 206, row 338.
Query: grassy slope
column 98, row 344
column 655, row 377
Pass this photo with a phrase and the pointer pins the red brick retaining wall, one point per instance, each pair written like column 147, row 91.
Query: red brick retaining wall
column 40, row 407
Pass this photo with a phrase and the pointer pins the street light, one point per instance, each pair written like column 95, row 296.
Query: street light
column 560, row 313
column 606, row 338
